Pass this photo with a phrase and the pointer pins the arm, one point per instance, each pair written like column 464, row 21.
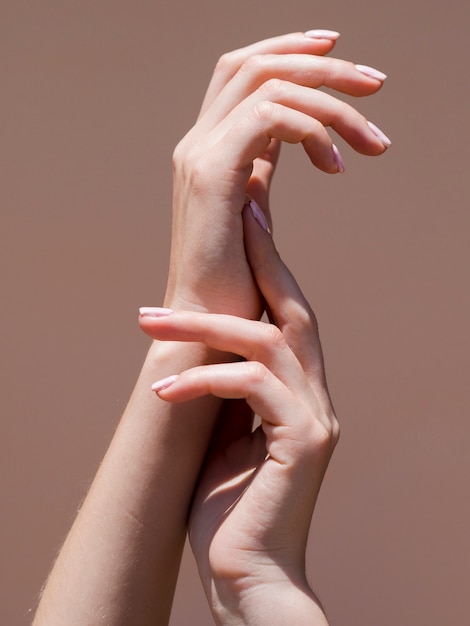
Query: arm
column 121, row 558
column 252, row 509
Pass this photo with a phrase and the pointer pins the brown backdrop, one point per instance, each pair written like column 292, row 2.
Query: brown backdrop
column 94, row 95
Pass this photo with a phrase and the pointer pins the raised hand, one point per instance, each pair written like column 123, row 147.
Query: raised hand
column 259, row 95
column 252, row 506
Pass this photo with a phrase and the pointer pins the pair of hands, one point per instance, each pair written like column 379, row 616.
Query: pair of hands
column 252, row 508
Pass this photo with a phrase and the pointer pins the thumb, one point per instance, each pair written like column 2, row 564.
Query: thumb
column 285, row 303
column 276, row 283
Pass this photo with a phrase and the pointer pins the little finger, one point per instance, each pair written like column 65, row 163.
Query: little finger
column 322, row 107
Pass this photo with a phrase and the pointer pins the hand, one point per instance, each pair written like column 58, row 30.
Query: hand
column 252, row 510
column 259, row 95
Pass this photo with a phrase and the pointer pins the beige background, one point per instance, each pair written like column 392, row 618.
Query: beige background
column 94, row 95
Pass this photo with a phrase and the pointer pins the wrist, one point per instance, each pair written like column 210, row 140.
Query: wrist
column 206, row 298
column 256, row 602
column 166, row 358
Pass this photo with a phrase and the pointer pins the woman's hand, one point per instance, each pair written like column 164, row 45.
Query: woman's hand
column 259, row 95
column 252, row 509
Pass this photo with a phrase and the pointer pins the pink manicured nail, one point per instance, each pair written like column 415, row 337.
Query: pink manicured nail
column 338, row 159
column 371, row 72
column 154, row 311
column 164, row 383
column 322, row 34
column 258, row 215
column 378, row 133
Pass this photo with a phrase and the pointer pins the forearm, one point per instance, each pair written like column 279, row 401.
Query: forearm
column 120, row 561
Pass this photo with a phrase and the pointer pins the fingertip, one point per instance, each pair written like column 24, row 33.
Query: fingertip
column 259, row 248
column 371, row 72
column 338, row 160
column 379, row 134
column 258, row 215
column 154, row 311
column 164, row 383
column 322, row 33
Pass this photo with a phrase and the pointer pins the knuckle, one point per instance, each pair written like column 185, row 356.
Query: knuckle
column 193, row 166
column 337, row 114
column 257, row 372
column 332, row 68
column 274, row 336
column 200, row 175
column 342, row 111
column 302, row 322
column 303, row 319
column 225, row 62
column 321, row 437
column 181, row 154
column 322, row 433
column 178, row 154
column 335, row 430
column 254, row 64
column 264, row 111
column 329, row 432
column 272, row 89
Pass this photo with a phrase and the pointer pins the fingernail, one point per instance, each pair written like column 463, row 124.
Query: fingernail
column 319, row 33
column 164, row 383
column 258, row 215
column 338, row 159
column 378, row 133
column 371, row 72
column 154, row 311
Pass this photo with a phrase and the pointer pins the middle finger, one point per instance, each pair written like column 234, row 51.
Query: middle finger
column 310, row 71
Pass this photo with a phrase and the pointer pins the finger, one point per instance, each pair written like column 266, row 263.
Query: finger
column 309, row 71
column 261, row 114
column 276, row 404
column 317, row 42
column 262, row 175
column 257, row 342
column 288, row 309
column 251, row 135
column 253, row 340
column 285, row 301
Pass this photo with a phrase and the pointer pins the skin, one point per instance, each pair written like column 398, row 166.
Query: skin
column 255, row 498
column 258, row 96
column 120, row 561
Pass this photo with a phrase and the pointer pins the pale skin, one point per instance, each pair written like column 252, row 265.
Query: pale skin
column 120, row 561
column 253, row 505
